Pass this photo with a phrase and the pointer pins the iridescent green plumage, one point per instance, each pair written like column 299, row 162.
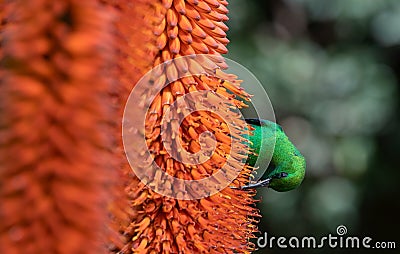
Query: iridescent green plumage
column 287, row 166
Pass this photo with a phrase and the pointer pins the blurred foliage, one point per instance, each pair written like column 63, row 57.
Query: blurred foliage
column 332, row 71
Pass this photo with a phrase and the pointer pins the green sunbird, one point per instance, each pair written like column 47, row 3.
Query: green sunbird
column 287, row 166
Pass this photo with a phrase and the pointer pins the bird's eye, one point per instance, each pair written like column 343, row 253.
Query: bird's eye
column 280, row 175
column 283, row 174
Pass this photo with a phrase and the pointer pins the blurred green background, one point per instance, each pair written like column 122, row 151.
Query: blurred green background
column 332, row 71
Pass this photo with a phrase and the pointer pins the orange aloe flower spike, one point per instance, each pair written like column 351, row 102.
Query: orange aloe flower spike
column 56, row 158
column 224, row 222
